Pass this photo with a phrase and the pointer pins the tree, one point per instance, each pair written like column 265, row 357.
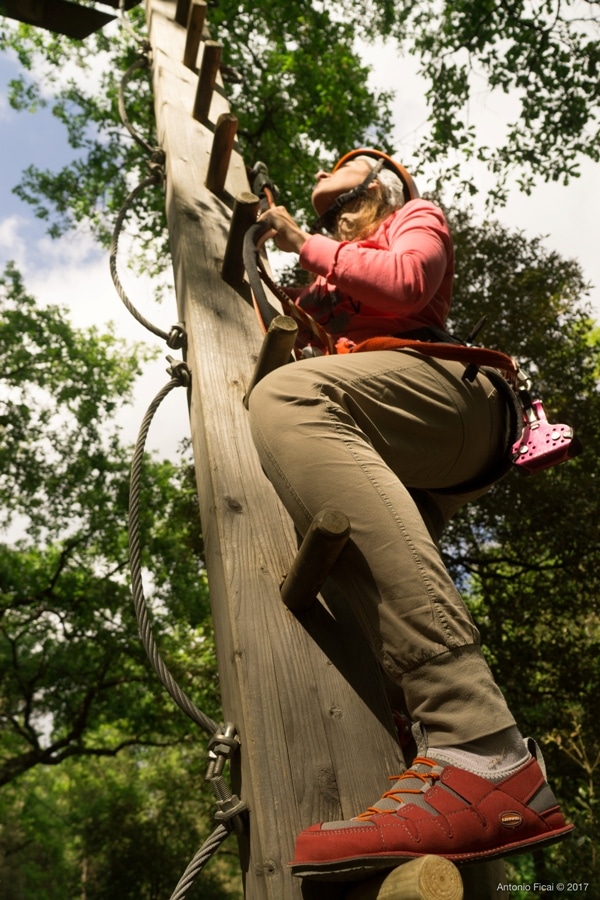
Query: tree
column 123, row 827
column 297, row 114
column 75, row 680
column 525, row 551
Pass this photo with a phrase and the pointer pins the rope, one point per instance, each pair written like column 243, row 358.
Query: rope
column 210, row 846
column 139, row 600
column 257, row 275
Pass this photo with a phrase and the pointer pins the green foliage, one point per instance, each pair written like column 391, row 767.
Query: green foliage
column 528, row 550
column 51, row 370
column 75, row 679
column 304, row 96
column 543, row 52
column 124, row 827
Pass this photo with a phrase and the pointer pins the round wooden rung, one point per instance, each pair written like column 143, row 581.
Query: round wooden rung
column 322, row 544
column 426, row 878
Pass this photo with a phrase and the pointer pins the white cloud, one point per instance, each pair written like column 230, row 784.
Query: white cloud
column 72, row 272
column 12, row 242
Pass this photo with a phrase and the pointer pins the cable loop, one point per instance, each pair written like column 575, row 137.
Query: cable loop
column 180, row 371
column 135, row 563
column 142, row 62
column 177, row 337
column 156, row 177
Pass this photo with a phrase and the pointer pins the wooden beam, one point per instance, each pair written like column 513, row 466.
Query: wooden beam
column 308, row 698
column 427, row 878
column 58, row 16
column 317, row 736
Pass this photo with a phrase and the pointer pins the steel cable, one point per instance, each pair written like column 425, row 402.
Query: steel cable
column 210, row 846
column 140, row 63
column 154, row 178
column 135, row 563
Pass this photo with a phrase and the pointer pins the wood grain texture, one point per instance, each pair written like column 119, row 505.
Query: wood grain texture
column 316, row 732
column 305, row 693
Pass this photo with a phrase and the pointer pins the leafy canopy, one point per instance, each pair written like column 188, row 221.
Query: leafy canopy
column 75, row 679
column 303, row 97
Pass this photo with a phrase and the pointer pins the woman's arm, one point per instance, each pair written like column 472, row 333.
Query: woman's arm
column 400, row 267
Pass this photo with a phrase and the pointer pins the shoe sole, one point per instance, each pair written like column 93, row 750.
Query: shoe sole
column 357, row 866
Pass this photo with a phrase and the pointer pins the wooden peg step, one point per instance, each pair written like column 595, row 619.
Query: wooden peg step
column 276, row 350
column 211, row 60
column 195, row 27
column 220, row 154
column 182, row 11
column 426, row 878
column 245, row 207
column 322, row 544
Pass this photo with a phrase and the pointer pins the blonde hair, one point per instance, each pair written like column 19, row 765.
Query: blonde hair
column 362, row 217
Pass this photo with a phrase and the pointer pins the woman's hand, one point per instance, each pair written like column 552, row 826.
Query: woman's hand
column 288, row 235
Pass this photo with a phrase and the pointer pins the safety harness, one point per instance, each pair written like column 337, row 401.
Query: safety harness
column 533, row 443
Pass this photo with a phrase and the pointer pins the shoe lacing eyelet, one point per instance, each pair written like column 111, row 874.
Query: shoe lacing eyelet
column 428, row 779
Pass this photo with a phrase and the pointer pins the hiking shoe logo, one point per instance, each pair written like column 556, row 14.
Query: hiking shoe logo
column 511, row 819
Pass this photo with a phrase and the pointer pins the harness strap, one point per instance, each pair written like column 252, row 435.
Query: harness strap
column 499, row 368
column 476, row 356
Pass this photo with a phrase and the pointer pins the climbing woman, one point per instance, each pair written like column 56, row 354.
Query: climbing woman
column 399, row 437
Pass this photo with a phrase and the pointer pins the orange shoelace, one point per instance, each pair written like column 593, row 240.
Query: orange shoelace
column 394, row 794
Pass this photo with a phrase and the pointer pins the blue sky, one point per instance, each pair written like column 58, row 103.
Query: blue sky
column 73, row 271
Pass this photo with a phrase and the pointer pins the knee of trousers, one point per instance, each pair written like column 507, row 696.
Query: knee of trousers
column 281, row 402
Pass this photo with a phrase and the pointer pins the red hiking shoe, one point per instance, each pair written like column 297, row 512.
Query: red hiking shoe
column 434, row 808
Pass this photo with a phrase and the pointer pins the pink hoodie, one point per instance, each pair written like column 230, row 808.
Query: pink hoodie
column 396, row 280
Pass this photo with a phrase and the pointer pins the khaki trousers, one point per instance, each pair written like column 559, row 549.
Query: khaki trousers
column 373, row 435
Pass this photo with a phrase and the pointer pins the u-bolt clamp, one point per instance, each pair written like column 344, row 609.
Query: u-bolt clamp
column 221, row 747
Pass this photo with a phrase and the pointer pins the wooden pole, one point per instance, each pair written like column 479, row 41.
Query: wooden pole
column 433, row 878
column 307, row 696
column 427, row 878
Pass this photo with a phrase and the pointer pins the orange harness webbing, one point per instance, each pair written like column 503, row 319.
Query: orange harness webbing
column 475, row 356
